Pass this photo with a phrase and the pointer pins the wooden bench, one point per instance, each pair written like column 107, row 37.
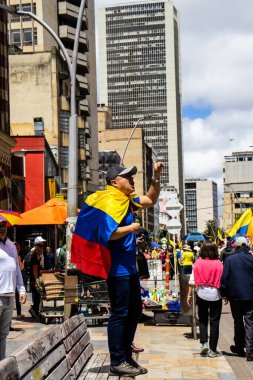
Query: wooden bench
column 63, row 352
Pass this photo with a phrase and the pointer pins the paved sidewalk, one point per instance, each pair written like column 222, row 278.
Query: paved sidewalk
column 170, row 352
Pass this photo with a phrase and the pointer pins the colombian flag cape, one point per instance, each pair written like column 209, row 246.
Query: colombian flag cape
column 99, row 217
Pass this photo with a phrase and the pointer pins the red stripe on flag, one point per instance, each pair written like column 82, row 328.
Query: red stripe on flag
column 91, row 258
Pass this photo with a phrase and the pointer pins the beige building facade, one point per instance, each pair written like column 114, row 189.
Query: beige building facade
column 138, row 154
column 237, row 186
column 201, row 204
column 38, row 70
column 6, row 142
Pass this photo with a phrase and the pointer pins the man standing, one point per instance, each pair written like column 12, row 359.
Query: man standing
column 49, row 260
column 36, row 266
column 10, row 278
column 237, row 288
column 104, row 244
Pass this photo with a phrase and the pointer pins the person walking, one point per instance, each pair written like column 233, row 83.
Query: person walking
column 172, row 261
column 21, row 266
column 188, row 259
column 10, row 278
column 227, row 251
column 237, row 288
column 206, row 277
column 61, row 258
column 104, row 244
column 179, row 259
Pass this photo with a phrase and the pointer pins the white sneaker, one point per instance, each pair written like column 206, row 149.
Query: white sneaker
column 212, row 354
column 204, row 349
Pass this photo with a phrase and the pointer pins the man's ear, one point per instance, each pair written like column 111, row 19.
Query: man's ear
column 114, row 183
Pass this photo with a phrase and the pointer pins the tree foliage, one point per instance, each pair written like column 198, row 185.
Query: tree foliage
column 211, row 229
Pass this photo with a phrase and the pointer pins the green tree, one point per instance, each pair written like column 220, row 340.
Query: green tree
column 211, row 229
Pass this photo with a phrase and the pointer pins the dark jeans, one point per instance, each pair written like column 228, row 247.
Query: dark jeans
column 126, row 309
column 172, row 267
column 18, row 304
column 206, row 308
column 35, row 298
column 242, row 312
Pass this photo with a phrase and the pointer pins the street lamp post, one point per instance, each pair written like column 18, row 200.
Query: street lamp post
column 132, row 132
column 72, row 164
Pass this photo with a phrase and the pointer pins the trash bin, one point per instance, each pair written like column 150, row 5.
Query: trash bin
column 184, row 287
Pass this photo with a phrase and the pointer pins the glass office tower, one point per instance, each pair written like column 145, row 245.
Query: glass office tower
column 139, row 75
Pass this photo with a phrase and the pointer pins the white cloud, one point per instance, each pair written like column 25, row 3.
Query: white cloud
column 217, row 70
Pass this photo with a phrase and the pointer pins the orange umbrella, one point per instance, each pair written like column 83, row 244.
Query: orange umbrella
column 12, row 217
column 53, row 211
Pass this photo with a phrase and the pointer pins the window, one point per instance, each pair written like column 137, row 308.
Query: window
column 29, row 35
column 15, row 37
column 26, row 8
column 38, row 126
column 64, row 121
column 64, row 157
column 81, row 138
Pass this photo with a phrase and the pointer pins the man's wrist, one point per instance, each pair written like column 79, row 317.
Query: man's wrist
column 155, row 180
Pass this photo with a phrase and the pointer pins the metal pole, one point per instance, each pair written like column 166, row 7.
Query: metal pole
column 232, row 209
column 130, row 137
column 235, row 195
column 73, row 126
column 132, row 132
column 72, row 167
column 175, row 262
column 53, row 34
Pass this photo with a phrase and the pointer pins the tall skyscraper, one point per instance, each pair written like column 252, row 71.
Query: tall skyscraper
column 139, row 75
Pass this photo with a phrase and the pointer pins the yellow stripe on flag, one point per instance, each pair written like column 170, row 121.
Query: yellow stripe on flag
column 112, row 201
column 172, row 243
column 241, row 222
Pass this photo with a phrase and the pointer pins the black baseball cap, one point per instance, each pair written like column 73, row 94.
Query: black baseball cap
column 118, row 170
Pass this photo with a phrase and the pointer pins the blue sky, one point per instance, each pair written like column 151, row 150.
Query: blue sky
column 193, row 112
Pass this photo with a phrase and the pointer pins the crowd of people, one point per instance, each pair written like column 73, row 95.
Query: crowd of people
column 107, row 243
column 224, row 273
column 19, row 270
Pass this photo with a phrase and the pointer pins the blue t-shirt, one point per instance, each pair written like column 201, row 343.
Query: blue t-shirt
column 123, row 250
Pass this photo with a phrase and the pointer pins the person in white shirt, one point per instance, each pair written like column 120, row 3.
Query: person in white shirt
column 10, row 278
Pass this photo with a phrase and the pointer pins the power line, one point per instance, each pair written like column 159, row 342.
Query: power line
column 223, row 204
